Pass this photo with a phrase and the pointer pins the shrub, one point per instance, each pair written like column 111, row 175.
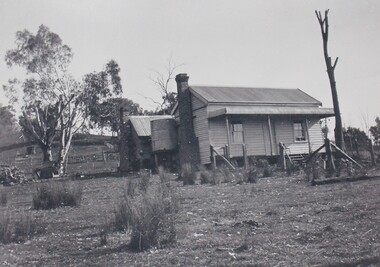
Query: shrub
column 149, row 216
column 251, row 175
column 16, row 228
column 217, row 177
column 227, row 174
column 188, row 174
column 265, row 166
column 205, row 175
column 10, row 175
column 3, row 197
column 268, row 171
column 51, row 195
column 314, row 168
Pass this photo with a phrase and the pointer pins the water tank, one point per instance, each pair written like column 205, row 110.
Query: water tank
column 164, row 135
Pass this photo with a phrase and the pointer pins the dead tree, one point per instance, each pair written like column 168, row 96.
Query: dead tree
column 162, row 82
column 338, row 131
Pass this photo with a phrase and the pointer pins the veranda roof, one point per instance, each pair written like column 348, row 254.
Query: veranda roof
column 272, row 110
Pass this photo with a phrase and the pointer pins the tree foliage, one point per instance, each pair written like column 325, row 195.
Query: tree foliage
column 375, row 131
column 53, row 102
column 354, row 137
column 106, row 113
column 9, row 131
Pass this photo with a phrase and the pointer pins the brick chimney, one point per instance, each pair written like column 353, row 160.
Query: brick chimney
column 124, row 130
column 188, row 142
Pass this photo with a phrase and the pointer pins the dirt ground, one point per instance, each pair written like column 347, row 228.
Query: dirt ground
column 278, row 221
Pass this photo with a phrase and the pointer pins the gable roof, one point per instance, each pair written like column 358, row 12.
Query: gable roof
column 213, row 94
column 141, row 124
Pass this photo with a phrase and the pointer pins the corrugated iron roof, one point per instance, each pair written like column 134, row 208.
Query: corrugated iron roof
column 141, row 124
column 213, row 94
column 272, row 110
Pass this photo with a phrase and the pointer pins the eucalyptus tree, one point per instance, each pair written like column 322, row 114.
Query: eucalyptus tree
column 53, row 104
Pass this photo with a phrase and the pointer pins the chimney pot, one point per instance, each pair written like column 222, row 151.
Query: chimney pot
column 182, row 77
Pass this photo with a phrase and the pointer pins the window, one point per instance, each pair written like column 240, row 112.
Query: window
column 237, row 132
column 299, row 131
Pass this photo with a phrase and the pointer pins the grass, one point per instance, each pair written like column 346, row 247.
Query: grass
column 188, row 174
column 55, row 194
column 16, row 227
column 278, row 221
column 149, row 215
column 3, row 197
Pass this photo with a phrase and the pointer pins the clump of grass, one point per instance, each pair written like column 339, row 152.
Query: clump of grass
column 144, row 181
column 205, row 175
column 227, row 174
column 51, row 195
column 131, row 187
column 267, row 169
column 314, row 169
column 188, row 174
column 5, row 229
column 251, row 175
column 122, row 215
column 149, row 216
column 104, row 231
column 3, row 197
column 16, row 228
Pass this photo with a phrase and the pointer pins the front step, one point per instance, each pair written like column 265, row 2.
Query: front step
column 297, row 158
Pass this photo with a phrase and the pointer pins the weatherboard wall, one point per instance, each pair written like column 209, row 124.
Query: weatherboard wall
column 200, row 123
column 256, row 135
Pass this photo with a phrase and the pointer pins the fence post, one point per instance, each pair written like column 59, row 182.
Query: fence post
column 227, row 151
column 282, row 156
column 213, row 157
column 373, row 158
column 245, row 156
column 330, row 159
column 357, row 148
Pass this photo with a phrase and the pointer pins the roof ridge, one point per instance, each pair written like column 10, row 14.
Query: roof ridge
column 243, row 87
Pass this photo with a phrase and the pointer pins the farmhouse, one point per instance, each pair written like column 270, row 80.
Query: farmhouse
column 234, row 122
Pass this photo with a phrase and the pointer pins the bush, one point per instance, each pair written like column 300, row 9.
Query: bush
column 11, row 175
column 227, row 174
column 16, row 228
column 51, row 195
column 149, row 216
column 188, row 174
column 3, row 198
column 314, row 168
column 251, row 175
column 206, row 176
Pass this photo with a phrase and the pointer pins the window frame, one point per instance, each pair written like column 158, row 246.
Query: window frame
column 299, row 130
column 237, row 133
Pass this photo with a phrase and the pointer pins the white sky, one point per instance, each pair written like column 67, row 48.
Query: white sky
column 248, row 43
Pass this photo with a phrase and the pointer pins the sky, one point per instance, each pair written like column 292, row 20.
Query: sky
column 250, row 43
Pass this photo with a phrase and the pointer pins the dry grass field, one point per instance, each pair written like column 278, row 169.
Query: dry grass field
column 278, row 221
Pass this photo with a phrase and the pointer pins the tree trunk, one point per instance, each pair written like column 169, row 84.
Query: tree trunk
column 46, row 151
column 65, row 143
column 338, row 131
